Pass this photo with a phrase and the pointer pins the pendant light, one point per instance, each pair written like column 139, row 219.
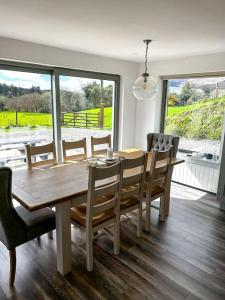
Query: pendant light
column 145, row 86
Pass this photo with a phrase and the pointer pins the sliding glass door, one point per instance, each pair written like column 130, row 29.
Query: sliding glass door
column 194, row 111
column 25, row 114
column 39, row 105
column 86, row 108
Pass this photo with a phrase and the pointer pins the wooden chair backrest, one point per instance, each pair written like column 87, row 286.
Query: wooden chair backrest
column 133, row 173
column 160, row 166
column 100, row 141
column 32, row 151
column 103, row 181
column 81, row 144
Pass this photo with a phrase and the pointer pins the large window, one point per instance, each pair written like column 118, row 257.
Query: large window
column 86, row 108
column 195, row 111
column 39, row 104
column 25, row 114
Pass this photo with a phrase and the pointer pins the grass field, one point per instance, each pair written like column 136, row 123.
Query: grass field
column 8, row 118
column 201, row 120
column 174, row 110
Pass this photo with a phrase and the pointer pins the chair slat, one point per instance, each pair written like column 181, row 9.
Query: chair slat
column 106, row 189
column 131, row 180
column 107, row 172
column 133, row 162
column 99, row 208
column 72, row 145
column 42, row 149
column 32, row 151
column 100, row 141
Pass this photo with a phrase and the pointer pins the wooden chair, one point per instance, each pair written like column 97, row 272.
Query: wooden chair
column 18, row 225
column 100, row 141
column 132, row 185
column 102, row 207
column 162, row 142
column 32, row 151
column 157, row 182
column 81, row 144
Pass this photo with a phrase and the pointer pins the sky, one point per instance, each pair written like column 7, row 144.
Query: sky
column 175, row 85
column 27, row 80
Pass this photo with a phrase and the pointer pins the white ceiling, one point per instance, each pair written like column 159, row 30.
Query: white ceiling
column 116, row 28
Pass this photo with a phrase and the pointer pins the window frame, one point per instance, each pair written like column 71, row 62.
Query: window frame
column 55, row 72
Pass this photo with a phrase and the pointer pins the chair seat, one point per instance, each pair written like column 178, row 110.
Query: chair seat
column 128, row 202
column 38, row 222
column 78, row 213
column 157, row 190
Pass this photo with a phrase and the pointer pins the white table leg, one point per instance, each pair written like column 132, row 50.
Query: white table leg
column 63, row 237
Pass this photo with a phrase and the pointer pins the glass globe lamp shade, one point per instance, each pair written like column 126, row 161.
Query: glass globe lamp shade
column 145, row 87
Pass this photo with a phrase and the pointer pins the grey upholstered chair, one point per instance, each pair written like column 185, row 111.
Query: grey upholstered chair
column 18, row 225
column 161, row 142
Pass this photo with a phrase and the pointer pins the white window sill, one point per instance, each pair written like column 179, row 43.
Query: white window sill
column 203, row 162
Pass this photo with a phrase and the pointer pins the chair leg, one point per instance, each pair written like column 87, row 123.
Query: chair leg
column 148, row 215
column 139, row 221
column 50, row 235
column 12, row 255
column 117, row 236
column 89, row 249
column 162, row 209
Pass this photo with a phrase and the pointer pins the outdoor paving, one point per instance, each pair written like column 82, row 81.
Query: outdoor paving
column 17, row 137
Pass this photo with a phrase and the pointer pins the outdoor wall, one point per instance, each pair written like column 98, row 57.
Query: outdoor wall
column 148, row 112
column 35, row 53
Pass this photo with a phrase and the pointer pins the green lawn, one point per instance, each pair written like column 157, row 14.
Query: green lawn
column 201, row 120
column 174, row 110
column 107, row 116
column 8, row 118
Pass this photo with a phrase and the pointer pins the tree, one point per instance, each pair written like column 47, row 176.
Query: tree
column 173, row 99
column 187, row 92
column 2, row 103
column 92, row 92
column 71, row 101
column 206, row 90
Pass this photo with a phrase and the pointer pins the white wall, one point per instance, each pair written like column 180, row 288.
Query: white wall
column 34, row 53
column 148, row 112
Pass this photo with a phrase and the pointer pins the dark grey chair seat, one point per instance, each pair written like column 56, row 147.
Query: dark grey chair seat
column 18, row 225
column 37, row 222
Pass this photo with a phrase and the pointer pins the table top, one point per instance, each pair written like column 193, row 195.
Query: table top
column 43, row 187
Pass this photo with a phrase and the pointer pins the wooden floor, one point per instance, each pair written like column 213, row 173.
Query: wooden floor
column 182, row 258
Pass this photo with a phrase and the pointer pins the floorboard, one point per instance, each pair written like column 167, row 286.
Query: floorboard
column 182, row 258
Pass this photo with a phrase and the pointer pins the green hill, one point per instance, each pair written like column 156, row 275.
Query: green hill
column 201, row 120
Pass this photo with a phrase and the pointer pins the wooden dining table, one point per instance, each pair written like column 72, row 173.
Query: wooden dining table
column 61, row 186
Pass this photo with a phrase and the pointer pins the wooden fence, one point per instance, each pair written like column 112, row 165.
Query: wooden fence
column 81, row 120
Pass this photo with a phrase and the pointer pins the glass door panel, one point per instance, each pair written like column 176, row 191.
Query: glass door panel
column 25, row 114
column 87, row 108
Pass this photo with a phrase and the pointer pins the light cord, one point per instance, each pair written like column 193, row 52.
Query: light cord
column 146, row 55
column 146, row 58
